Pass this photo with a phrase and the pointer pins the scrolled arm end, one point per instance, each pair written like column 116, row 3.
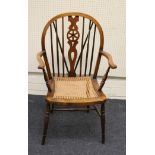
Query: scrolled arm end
column 40, row 61
column 110, row 59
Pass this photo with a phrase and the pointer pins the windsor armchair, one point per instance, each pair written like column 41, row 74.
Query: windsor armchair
column 73, row 81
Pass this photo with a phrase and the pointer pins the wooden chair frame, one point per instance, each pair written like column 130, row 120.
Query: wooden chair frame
column 44, row 66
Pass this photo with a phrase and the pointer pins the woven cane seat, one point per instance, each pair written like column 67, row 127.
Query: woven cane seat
column 75, row 90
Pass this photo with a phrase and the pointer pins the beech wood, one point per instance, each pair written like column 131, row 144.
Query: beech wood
column 40, row 61
column 110, row 60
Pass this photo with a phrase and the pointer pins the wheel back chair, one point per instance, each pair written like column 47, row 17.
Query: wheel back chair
column 73, row 81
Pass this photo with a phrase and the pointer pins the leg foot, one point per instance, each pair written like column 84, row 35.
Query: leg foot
column 43, row 140
column 46, row 120
column 103, row 122
column 88, row 108
column 52, row 108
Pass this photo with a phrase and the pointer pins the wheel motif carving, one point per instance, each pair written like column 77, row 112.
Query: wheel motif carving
column 72, row 36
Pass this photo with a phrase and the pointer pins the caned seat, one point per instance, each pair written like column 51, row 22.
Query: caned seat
column 75, row 91
column 72, row 49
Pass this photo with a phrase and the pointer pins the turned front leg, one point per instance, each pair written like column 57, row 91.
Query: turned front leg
column 103, row 122
column 46, row 120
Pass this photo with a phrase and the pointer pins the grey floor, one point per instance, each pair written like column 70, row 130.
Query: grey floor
column 77, row 133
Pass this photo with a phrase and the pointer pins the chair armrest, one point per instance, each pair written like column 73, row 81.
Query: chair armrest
column 110, row 59
column 40, row 61
column 111, row 65
column 42, row 66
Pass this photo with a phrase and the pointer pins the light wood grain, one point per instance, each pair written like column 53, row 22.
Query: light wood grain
column 40, row 61
column 110, row 59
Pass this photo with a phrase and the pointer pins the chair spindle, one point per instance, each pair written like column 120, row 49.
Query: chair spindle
column 60, row 47
column 82, row 45
column 87, row 49
column 91, row 61
column 57, row 48
column 52, row 50
column 63, row 45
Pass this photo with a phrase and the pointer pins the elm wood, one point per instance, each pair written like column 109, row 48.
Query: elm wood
column 72, row 36
column 92, row 53
column 103, row 121
column 86, row 61
column 82, row 45
column 63, row 45
column 46, row 121
column 52, row 50
column 57, row 46
column 60, row 47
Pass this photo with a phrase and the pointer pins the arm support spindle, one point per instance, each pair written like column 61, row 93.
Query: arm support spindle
column 111, row 65
column 42, row 66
